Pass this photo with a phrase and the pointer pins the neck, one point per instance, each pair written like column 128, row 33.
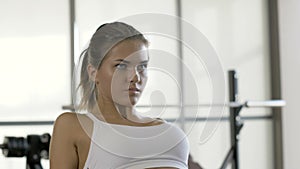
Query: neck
column 107, row 109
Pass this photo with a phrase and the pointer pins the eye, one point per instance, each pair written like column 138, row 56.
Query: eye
column 142, row 67
column 121, row 66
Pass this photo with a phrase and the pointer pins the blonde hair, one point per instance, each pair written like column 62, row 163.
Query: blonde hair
column 103, row 40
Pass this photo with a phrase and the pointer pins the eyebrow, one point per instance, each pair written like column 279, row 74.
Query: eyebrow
column 125, row 61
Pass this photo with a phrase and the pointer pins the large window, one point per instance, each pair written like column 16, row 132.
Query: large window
column 238, row 30
column 34, row 66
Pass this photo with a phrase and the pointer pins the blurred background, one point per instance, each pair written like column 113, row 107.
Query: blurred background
column 258, row 38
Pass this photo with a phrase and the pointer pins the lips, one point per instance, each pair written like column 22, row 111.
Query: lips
column 134, row 89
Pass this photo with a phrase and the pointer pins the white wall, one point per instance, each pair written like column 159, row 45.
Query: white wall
column 289, row 26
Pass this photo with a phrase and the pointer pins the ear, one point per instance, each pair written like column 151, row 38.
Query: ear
column 92, row 71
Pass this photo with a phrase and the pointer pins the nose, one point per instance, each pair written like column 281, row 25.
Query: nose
column 134, row 76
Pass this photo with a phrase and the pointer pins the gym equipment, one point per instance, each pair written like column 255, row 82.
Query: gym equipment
column 34, row 147
column 236, row 123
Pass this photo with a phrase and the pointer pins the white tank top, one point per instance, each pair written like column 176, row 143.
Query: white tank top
column 116, row 146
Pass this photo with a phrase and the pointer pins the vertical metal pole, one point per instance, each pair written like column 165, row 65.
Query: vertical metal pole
column 72, row 42
column 275, row 82
column 180, row 53
column 233, row 97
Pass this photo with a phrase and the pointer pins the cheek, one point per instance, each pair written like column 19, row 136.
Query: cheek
column 105, row 80
column 118, row 80
column 144, row 77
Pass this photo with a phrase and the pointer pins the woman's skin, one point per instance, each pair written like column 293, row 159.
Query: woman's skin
column 120, row 80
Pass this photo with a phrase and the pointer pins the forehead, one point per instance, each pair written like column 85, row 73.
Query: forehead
column 130, row 50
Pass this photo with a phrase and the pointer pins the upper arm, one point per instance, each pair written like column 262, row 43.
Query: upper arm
column 63, row 153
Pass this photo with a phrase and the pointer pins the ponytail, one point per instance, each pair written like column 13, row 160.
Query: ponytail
column 87, row 86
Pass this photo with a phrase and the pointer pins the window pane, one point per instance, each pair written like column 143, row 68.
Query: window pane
column 238, row 31
column 255, row 148
column 35, row 64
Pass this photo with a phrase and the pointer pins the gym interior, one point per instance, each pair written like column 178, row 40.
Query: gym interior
column 230, row 81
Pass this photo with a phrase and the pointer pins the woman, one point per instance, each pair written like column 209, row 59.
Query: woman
column 112, row 134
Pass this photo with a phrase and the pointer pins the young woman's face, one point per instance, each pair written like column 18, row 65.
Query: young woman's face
column 122, row 75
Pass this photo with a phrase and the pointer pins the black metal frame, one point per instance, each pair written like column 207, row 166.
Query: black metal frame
column 236, row 123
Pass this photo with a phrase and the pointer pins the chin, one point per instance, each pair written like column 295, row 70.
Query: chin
column 133, row 102
column 127, row 102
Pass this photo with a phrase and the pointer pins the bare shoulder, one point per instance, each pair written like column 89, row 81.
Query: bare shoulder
column 64, row 141
column 66, row 117
column 72, row 121
column 65, row 123
column 66, row 120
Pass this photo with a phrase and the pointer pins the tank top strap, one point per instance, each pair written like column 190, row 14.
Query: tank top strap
column 91, row 116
